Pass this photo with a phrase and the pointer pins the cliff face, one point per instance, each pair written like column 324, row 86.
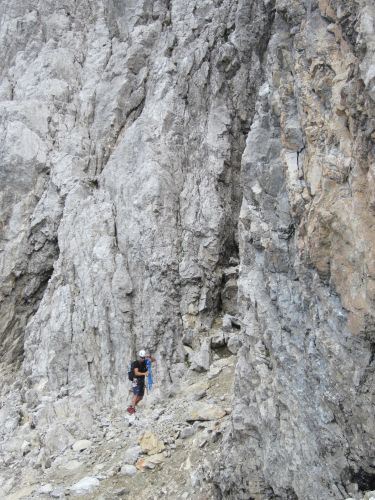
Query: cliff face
column 305, row 376
column 164, row 164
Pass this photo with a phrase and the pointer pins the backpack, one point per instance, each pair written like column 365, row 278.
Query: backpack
column 131, row 371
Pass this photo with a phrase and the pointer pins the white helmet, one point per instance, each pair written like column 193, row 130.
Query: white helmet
column 142, row 353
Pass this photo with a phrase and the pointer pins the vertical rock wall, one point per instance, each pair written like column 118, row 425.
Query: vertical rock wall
column 303, row 426
column 132, row 208
column 149, row 147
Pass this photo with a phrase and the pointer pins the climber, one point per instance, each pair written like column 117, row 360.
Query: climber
column 140, row 372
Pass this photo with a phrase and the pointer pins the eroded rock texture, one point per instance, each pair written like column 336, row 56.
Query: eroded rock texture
column 305, row 377
column 149, row 148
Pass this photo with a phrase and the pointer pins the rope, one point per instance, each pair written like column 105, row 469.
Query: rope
column 149, row 376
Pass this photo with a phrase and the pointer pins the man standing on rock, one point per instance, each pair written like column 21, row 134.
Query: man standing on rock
column 140, row 371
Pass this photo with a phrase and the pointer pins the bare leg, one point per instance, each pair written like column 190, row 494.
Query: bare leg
column 136, row 400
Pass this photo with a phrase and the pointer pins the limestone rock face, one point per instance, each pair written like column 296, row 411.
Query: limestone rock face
column 134, row 197
column 305, row 372
column 174, row 169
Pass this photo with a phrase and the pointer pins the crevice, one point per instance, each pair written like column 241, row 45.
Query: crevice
column 27, row 290
column 364, row 479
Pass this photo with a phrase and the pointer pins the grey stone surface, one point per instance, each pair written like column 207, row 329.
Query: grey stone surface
column 187, row 432
column 132, row 454
column 305, row 368
column 201, row 360
column 128, row 470
column 84, row 486
column 173, row 169
column 81, row 445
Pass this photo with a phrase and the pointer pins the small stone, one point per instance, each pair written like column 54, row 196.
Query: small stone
column 132, row 454
column 150, row 462
column 205, row 412
column 85, row 485
column 227, row 323
column 188, row 338
column 25, row 447
column 195, row 479
column 214, row 372
column 218, row 340
column 187, row 432
column 201, row 360
column 72, row 465
column 149, row 465
column 234, row 344
column 156, row 459
column 46, row 488
column 81, row 445
column 151, row 444
column 57, row 493
column 140, row 465
column 128, row 470
column 157, row 413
